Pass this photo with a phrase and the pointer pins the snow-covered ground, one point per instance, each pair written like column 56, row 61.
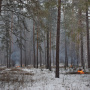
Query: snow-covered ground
column 42, row 79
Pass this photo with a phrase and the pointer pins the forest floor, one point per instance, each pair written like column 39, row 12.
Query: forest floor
column 42, row 79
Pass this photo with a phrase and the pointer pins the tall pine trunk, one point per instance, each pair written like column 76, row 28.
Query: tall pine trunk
column 45, row 54
column 47, row 49
column 7, row 44
column 34, row 62
column 71, row 54
column 50, row 53
column 82, row 60
column 81, row 37
column 29, row 59
column 58, row 38
column 25, row 48
column 20, row 44
column 0, row 5
column 77, row 50
column 77, row 54
column 10, row 49
column 7, row 53
column 37, row 48
column 53, row 58
column 21, row 47
column 40, row 59
column 87, row 27
column 66, row 57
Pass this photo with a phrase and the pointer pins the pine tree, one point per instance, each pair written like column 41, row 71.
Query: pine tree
column 87, row 28
column 58, row 38
column 0, row 5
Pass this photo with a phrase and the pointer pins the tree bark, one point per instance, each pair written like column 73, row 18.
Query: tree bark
column 71, row 54
column 87, row 27
column 7, row 53
column 7, row 44
column 40, row 59
column 77, row 54
column 47, row 49
column 0, row 5
column 66, row 57
column 21, row 47
column 37, row 48
column 82, row 60
column 81, row 36
column 34, row 63
column 58, row 38
column 50, row 53
column 45, row 54
column 25, row 48
column 53, row 58
column 20, row 43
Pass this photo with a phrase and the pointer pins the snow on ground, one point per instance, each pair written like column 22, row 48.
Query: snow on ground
column 42, row 79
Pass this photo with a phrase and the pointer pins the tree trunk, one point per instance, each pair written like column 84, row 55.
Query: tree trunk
column 82, row 60
column 30, row 58
column 58, row 38
column 77, row 53
column 0, row 5
column 10, row 49
column 53, row 58
column 77, row 50
column 47, row 49
column 20, row 43
column 34, row 63
column 21, row 47
column 50, row 53
column 37, row 48
column 40, row 59
column 7, row 53
column 81, row 36
column 71, row 53
column 66, row 57
column 25, row 49
column 45, row 54
column 7, row 44
column 87, row 27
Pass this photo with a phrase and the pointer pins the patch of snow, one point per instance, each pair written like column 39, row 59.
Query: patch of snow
column 45, row 80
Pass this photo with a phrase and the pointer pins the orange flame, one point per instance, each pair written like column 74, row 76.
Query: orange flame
column 80, row 71
column 71, row 66
column 17, row 66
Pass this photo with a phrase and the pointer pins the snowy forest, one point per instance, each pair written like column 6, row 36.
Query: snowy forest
column 44, row 44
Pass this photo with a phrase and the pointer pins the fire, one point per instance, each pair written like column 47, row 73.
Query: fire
column 80, row 71
column 71, row 66
column 17, row 66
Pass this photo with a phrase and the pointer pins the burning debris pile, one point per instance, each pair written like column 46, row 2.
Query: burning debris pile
column 80, row 71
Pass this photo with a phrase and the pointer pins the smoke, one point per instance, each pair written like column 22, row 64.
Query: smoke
column 15, row 57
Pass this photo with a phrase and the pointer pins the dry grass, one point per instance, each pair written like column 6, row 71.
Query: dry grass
column 16, row 69
column 2, row 68
column 30, row 66
column 14, row 75
column 29, row 73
